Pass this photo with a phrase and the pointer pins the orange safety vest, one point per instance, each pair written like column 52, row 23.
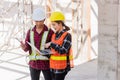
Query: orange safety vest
column 57, row 60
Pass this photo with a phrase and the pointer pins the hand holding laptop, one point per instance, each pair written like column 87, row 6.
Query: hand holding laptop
column 41, row 52
column 22, row 44
column 47, row 45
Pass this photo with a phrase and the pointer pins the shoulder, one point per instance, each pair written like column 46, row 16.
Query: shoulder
column 28, row 32
column 30, row 29
column 68, row 35
column 51, row 31
column 48, row 29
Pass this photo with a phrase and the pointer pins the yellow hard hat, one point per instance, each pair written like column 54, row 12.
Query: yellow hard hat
column 57, row 16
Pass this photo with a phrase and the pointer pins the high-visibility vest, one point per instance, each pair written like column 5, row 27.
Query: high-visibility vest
column 57, row 60
column 34, row 55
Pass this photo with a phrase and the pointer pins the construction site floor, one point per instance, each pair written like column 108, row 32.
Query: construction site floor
column 14, row 67
column 85, row 71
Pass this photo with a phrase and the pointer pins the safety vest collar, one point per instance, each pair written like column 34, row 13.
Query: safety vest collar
column 61, row 38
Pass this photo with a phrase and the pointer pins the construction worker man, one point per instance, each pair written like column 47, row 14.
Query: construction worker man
column 38, row 36
column 62, row 60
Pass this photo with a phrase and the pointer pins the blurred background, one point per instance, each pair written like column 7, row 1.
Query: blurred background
column 15, row 20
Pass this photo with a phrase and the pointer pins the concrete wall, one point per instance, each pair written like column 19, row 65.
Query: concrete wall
column 108, row 42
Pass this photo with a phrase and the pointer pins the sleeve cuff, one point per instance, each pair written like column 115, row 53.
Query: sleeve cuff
column 52, row 45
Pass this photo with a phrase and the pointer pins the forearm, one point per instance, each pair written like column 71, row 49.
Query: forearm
column 60, row 49
column 27, row 39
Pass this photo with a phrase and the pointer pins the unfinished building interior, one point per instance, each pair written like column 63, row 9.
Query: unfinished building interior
column 15, row 20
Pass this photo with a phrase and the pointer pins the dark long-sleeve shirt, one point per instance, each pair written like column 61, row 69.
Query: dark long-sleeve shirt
column 66, row 43
column 38, row 64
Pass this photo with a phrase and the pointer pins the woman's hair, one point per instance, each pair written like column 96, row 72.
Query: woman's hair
column 63, row 24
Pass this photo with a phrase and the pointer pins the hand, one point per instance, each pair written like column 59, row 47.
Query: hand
column 23, row 46
column 47, row 45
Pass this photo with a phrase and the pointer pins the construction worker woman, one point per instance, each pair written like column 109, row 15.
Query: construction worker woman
column 61, row 60
column 38, row 36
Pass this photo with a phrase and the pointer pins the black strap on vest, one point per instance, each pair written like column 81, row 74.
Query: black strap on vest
column 68, row 63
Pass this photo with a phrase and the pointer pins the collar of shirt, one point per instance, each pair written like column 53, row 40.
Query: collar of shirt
column 59, row 34
column 44, row 29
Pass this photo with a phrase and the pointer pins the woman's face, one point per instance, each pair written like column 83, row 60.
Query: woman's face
column 57, row 26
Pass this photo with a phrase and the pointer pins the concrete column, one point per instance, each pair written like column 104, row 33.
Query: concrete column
column 108, row 42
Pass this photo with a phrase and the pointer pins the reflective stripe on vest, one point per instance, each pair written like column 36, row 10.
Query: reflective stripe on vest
column 44, row 37
column 61, row 57
column 37, row 57
column 34, row 55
